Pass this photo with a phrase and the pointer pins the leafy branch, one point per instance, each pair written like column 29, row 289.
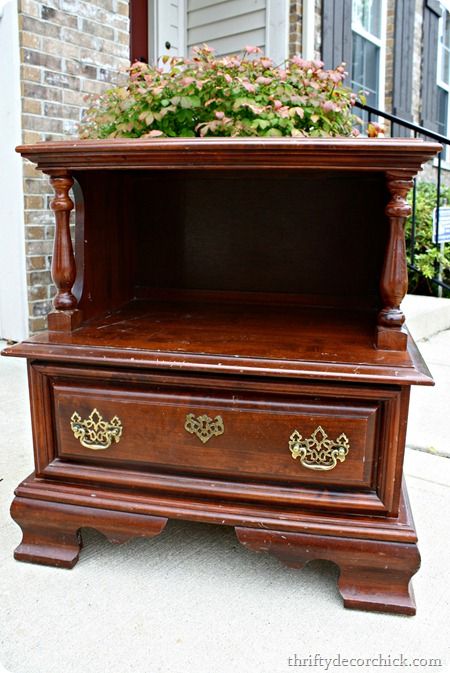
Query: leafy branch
column 244, row 95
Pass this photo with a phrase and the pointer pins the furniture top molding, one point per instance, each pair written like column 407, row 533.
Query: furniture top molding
column 402, row 156
column 63, row 347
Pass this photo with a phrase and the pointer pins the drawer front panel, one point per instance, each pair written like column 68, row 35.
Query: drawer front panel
column 297, row 439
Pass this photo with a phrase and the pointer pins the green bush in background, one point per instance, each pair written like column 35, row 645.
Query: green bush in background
column 427, row 255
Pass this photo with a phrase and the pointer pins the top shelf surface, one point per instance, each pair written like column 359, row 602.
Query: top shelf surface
column 395, row 154
column 265, row 340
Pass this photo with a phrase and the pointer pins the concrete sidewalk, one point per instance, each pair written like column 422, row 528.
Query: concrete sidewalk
column 429, row 414
column 195, row 601
column 426, row 315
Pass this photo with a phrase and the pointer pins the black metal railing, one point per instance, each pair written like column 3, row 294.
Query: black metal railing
column 415, row 130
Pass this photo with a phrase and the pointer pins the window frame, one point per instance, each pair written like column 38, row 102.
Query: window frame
column 445, row 5
column 276, row 35
column 379, row 42
column 445, row 154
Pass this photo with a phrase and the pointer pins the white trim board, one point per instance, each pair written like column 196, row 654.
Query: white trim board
column 168, row 23
column 13, row 290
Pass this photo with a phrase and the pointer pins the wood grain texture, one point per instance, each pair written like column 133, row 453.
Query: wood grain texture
column 66, row 316
column 254, row 442
column 259, row 280
column 376, row 559
column 394, row 275
column 63, row 261
column 250, row 461
column 51, row 531
column 139, row 28
column 262, row 340
column 233, row 153
column 399, row 529
column 374, row 575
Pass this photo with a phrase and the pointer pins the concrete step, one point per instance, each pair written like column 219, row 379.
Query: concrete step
column 426, row 316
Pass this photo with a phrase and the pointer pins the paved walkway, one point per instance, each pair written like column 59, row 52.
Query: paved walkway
column 429, row 415
column 194, row 601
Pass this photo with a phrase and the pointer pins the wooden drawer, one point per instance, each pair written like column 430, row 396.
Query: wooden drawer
column 260, row 440
column 300, row 438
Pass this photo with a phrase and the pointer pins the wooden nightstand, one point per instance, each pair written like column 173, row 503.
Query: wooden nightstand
column 227, row 345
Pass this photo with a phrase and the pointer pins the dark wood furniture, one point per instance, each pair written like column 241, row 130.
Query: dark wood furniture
column 227, row 345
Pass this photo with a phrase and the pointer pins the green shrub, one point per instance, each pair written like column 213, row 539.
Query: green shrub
column 427, row 255
column 243, row 95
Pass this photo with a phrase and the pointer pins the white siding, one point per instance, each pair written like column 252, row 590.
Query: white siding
column 226, row 25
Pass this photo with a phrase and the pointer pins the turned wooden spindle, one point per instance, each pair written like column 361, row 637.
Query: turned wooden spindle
column 394, row 276
column 63, row 262
column 65, row 315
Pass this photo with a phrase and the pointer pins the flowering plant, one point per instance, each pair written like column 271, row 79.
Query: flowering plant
column 243, row 95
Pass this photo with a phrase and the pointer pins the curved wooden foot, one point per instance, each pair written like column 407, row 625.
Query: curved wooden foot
column 51, row 530
column 374, row 575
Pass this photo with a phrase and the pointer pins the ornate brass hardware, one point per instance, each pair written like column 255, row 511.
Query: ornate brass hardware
column 317, row 452
column 204, row 427
column 95, row 433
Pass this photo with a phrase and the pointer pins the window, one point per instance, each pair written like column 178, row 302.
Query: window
column 368, row 49
column 443, row 70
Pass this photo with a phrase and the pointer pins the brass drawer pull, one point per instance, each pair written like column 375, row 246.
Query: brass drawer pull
column 317, row 452
column 204, row 427
column 95, row 433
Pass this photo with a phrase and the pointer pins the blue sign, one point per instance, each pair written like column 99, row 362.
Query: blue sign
column 444, row 225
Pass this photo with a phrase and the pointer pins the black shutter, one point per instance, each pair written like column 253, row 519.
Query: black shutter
column 403, row 64
column 431, row 14
column 337, row 33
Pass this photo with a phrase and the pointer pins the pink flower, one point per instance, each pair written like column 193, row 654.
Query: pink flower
column 228, row 78
column 336, row 77
column 300, row 61
column 283, row 111
column 204, row 49
column 220, row 114
column 263, row 80
column 253, row 50
column 249, row 87
column 277, row 104
column 327, row 106
column 186, row 81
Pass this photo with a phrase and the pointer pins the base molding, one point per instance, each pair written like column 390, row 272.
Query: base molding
column 64, row 321
column 374, row 575
column 377, row 555
column 51, row 531
column 391, row 339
